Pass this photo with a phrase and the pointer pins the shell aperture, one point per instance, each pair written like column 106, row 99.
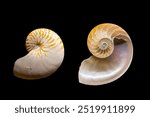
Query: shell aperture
column 112, row 53
column 46, row 53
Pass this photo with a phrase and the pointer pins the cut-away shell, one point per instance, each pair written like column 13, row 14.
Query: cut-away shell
column 112, row 53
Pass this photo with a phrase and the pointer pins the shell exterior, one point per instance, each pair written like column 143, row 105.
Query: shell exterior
column 46, row 53
column 112, row 53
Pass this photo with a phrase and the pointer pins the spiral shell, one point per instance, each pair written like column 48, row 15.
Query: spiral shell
column 112, row 53
column 46, row 53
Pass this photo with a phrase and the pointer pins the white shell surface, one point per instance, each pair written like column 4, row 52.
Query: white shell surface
column 99, row 70
column 46, row 53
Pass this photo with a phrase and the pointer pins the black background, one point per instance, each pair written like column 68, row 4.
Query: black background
column 72, row 22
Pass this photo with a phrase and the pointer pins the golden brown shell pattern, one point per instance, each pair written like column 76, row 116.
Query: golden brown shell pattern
column 46, row 53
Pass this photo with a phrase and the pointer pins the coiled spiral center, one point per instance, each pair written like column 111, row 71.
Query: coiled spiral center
column 103, row 46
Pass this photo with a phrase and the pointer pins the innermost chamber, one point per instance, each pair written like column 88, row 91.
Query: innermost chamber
column 103, row 45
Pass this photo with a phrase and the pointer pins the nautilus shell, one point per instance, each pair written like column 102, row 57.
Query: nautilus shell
column 46, row 53
column 112, row 53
